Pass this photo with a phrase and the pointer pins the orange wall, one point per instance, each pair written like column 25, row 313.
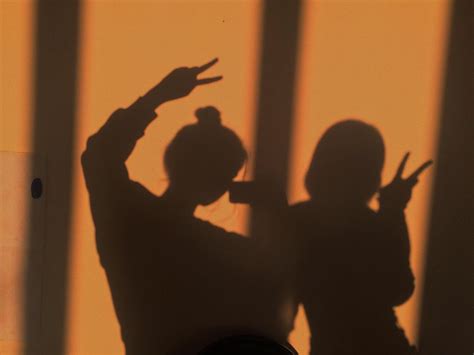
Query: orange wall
column 16, row 64
column 127, row 47
column 380, row 61
column 16, row 48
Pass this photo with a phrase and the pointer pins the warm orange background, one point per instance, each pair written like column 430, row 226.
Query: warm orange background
column 377, row 60
column 16, row 48
column 16, row 67
column 382, row 62
column 127, row 47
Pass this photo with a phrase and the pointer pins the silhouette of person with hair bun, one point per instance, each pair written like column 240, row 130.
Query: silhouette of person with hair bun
column 354, row 262
column 203, row 158
column 178, row 283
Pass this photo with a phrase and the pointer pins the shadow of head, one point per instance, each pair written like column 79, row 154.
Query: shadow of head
column 347, row 163
column 204, row 157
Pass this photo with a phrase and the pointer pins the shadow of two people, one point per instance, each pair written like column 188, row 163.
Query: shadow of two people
column 179, row 283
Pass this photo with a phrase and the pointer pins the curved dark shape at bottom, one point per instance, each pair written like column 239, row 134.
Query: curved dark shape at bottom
column 248, row 344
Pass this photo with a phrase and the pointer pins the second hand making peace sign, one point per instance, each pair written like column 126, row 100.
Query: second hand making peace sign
column 398, row 192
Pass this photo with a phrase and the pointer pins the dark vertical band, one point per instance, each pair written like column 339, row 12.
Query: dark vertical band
column 446, row 322
column 276, row 92
column 54, row 111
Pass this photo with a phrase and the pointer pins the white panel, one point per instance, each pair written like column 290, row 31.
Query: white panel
column 16, row 207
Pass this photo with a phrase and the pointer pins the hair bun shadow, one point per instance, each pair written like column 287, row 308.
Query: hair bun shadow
column 208, row 116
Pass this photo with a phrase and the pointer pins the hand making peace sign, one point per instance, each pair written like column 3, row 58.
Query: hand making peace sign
column 181, row 81
column 398, row 192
